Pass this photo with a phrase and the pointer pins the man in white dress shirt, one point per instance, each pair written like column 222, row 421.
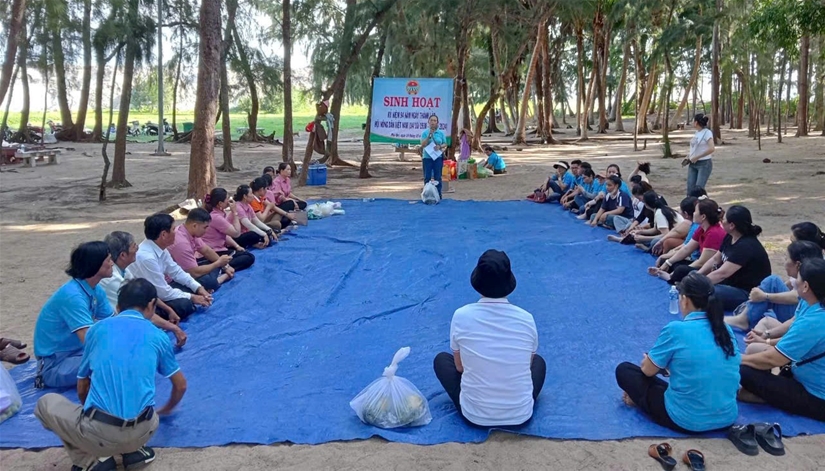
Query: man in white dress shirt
column 153, row 262
column 123, row 250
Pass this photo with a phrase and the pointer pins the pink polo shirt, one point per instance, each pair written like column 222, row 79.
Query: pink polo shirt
column 282, row 188
column 245, row 211
column 184, row 250
column 215, row 236
column 271, row 196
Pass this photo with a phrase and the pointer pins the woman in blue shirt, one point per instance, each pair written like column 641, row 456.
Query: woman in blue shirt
column 433, row 155
column 703, row 362
column 801, row 390
column 494, row 161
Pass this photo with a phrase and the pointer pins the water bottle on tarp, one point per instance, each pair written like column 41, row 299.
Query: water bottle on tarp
column 674, row 300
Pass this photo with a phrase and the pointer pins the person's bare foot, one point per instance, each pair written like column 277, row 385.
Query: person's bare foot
column 627, row 400
column 582, row 216
column 740, row 321
column 613, row 238
column 663, row 275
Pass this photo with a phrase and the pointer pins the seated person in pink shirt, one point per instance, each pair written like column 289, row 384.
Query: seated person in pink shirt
column 215, row 269
column 265, row 208
column 282, row 188
column 249, row 220
column 224, row 232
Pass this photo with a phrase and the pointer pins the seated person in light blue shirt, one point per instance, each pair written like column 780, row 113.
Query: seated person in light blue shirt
column 116, row 387
column 494, row 161
column 800, row 391
column 66, row 317
column 433, row 144
column 703, row 362
column 560, row 182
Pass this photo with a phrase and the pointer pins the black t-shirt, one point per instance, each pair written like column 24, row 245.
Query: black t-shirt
column 749, row 254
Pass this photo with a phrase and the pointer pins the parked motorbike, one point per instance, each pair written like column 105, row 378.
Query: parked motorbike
column 151, row 128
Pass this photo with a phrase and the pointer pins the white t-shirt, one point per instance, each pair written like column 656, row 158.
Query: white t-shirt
column 496, row 341
column 699, row 143
column 660, row 221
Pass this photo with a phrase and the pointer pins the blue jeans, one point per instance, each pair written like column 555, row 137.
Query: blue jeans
column 60, row 370
column 581, row 201
column 432, row 171
column 730, row 296
column 609, row 221
column 554, row 192
column 781, row 312
column 698, row 174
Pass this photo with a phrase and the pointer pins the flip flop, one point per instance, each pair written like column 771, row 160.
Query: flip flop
column 14, row 343
column 744, row 438
column 13, row 355
column 769, row 437
column 695, row 459
column 661, row 453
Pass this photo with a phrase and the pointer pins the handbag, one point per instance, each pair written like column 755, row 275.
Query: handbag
column 787, row 370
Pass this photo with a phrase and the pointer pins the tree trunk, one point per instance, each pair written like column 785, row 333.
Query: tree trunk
column 617, row 107
column 376, row 72
column 604, row 57
column 462, row 50
column 779, row 98
column 119, row 167
column 102, row 192
column 579, row 76
column 202, row 156
column 226, row 125
column 715, row 124
column 547, row 83
column 175, row 88
column 538, row 77
column 819, row 104
column 649, row 84
column 15, row 24
column 505, row 117
column 13, row 80
column 100, row 72
column 802, row 106
column 86, row 80
column 697, row 63
column 520, row 137
column 60, row 80
column 494, row 86
column 252, row 115
column 23, row 59
column 286, row 32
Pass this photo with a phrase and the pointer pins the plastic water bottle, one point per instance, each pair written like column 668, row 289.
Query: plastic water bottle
column 674, row 300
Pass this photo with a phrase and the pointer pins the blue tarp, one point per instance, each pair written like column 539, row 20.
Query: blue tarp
column 291, row 341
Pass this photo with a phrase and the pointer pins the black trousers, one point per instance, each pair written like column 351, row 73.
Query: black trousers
column 594, row 209
column 782, row 392
column 680, row 270
column 183, row 307
column 248, row 239
column 240, row 260
column 209, row 281
column 648, row 393
column 289, row 205
column 500, row 171
column 450, row 378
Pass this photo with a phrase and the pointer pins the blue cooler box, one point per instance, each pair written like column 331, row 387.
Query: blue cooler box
column 317, row 175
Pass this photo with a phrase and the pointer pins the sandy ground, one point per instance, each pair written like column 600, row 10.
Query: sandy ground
column 48, row 210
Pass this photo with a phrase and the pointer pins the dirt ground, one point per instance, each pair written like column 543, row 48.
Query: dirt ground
column 48, row 210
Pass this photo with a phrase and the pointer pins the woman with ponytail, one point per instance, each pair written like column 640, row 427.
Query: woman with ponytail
column 707, row 239
column 662, row 218
column 741, row 263
column 703, row 362
column 700, row 160
column 224, row 232
column 799, row 390
column 808, row 231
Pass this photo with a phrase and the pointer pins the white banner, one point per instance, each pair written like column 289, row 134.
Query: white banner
column 401, row 108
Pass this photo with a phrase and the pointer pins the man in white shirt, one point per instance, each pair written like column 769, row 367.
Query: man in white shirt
column 494, row 374
column 154, row 263
column 123, row 250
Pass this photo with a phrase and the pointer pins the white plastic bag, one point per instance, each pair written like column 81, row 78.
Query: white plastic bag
column 10, row 401
column 321, row 210
column 392, row 401
column 430, row 193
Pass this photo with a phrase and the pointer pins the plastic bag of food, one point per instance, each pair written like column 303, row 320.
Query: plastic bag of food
column 392, row 401
column 10, row 401
column 430, row 193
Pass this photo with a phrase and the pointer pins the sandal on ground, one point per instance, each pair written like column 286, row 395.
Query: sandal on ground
column 769, row 437
column 695, row 459
column 744, row 438
column 14, row 343
column 13, row 355
column 661, row 453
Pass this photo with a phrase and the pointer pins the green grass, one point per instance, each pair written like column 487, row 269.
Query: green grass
column 352, row 118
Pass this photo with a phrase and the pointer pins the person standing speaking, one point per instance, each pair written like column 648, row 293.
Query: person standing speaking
column 433, row 144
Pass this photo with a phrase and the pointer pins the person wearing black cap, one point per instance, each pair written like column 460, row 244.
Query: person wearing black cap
column 494, row 374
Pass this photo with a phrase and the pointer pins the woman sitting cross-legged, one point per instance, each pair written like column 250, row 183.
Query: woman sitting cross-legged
column 707, row 239
column 663, row 218
column 224, row 234
column 774, row 301
column 680, row 234
column 801, row 390
column 282, row 188
column 703, row 362
column 494, row 374
column 249, row 220
column 616, row 210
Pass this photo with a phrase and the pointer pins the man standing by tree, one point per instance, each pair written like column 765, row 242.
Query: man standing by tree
column 116, row 387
